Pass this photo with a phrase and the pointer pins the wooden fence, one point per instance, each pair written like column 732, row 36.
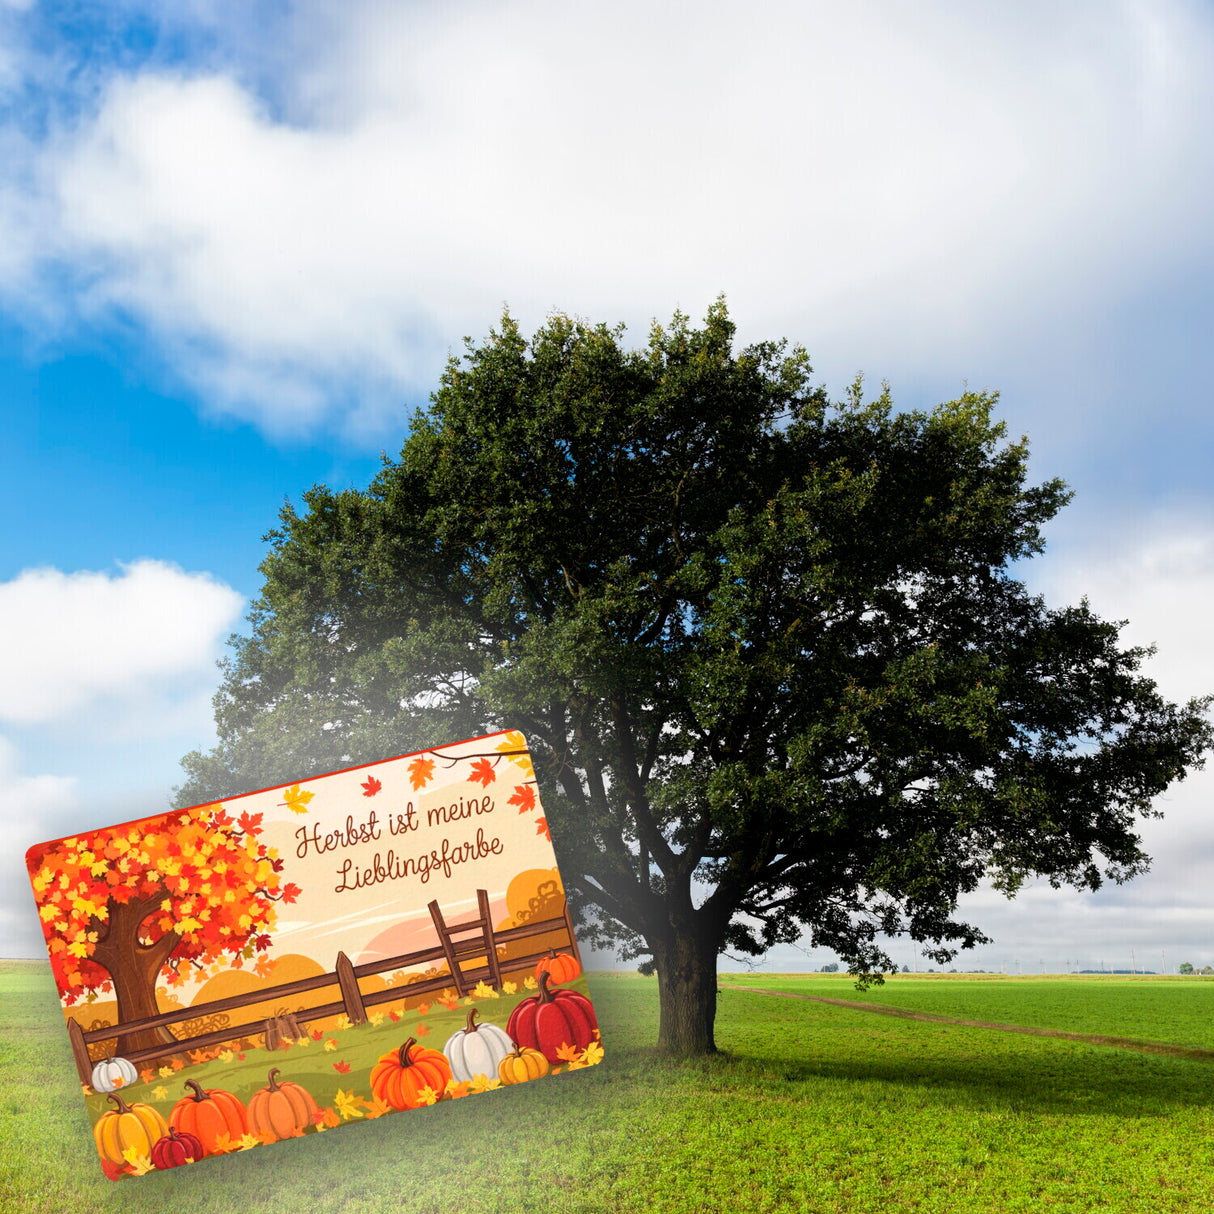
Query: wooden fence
column 477, row 940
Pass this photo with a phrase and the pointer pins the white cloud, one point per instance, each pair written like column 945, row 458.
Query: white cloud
column 29, row 804
column 834, row 170
column 143, row 640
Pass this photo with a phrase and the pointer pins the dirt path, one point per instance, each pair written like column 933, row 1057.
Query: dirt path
column 1122, row 1043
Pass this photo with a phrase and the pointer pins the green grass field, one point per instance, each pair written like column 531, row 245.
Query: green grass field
column 1153, row 1008
column 813, row 1108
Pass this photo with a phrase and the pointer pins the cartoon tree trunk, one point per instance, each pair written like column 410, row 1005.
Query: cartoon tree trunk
column 125, row 906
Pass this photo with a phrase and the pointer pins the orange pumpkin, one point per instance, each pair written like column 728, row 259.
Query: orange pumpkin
column 560, row 967
column 281, row 1110
column 400, row 1075
column 522, row 1065
column 209, row 1116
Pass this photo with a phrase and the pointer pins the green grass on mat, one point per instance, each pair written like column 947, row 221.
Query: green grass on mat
column 812, row 1108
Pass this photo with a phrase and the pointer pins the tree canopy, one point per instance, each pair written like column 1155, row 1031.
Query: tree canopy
column 770, row 650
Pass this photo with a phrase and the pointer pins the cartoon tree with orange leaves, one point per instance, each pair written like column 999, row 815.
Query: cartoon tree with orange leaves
column 123, row 906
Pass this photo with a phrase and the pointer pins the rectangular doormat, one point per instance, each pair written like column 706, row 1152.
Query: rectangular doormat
column 314, row 955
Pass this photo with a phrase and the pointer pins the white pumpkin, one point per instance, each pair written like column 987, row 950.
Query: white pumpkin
column 477, row 1049
column 110, row 1074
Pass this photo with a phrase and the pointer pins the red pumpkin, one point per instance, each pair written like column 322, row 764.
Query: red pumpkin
column 209, row 1116
column 551, row 1019
column 174, row 1149
column 400, row 1075
column 560, row 967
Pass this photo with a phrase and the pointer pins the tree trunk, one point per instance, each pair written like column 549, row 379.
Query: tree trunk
column 687, row 992
column 134, row 967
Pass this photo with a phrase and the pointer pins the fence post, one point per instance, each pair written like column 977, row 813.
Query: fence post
column 80, row 1051
column 440, row 926
column 495, row 973
column 350, row 994
column 577, row 954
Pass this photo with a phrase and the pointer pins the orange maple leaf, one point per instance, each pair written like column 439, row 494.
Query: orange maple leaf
column 420, row 772
column 342, row 1067
column 371, row 786
column 147, row 1074
column 482, row 773
column 423, row 1008
column 112, row 1170
column 422, row 1031
column 541, row 828
column 567, row 1052
column 524, row 798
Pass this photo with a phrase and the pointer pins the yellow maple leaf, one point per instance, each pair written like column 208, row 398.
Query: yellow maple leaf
column 530, row 983
column 248, row 1142
column 344, row 1021
column 160, row 1092
column 468, row 1000
column 592, row 1055
column 482, row 1083
column 330, row 1044
column 515, row 741
column 296, row 800
column 508, row 988
column 347, row 1104
column 139, row 1164
column 377, row 1018
column 165, row 1072
column 483, row 991
column 226, row 1055
column 303, row 1041
column 427, row 1096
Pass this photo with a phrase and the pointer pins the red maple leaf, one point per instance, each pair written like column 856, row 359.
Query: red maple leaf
column 342, row 1067
column 112, row 1170
column 250, row 823
column 290, row 892
column 524, row 798
column 316, row 1034
column 394, row 1015
column 482, row 773
column 541, row 828
column 370, row 786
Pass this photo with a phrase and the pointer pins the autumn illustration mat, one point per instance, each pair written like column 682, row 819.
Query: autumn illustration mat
column 302, row 957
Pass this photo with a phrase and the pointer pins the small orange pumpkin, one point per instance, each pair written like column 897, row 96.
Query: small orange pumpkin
column 524, row 1064
column 400, row 1075
column 560, row 967
column 281, row 1110
column 209, row 1116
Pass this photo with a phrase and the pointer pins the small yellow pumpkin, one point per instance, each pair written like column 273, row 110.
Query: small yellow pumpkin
column 125, row 1126
column 522, row 1065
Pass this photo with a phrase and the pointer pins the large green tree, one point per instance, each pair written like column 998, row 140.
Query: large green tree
column 770, row 650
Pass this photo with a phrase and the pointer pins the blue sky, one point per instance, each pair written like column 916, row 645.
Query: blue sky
column 240, row 240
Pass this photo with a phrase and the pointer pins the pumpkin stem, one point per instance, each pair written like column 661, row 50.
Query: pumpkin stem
column 119, row 1103
column 403, row 1052
column 545, row 993
column 471, row 1025
column 272, row 1082
column 199, row 1094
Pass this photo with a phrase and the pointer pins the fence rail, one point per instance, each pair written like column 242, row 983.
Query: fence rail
column 479, row 948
